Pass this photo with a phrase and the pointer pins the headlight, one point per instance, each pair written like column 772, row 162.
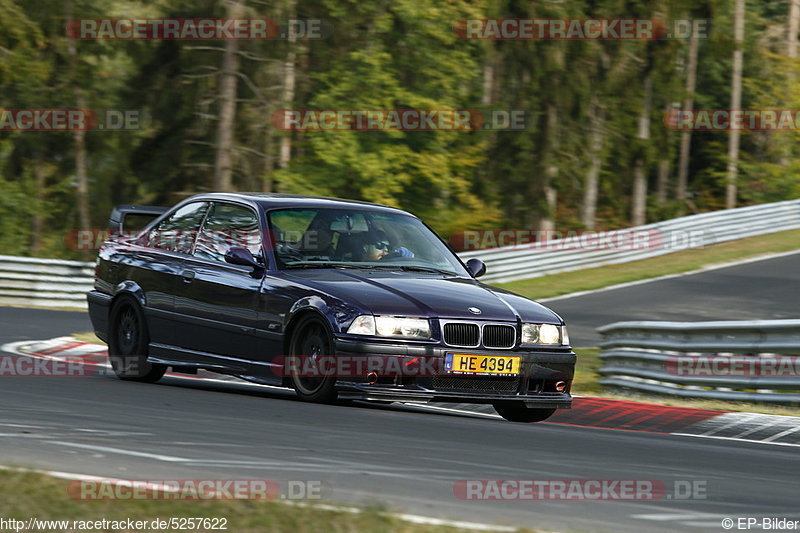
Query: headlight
column 362, row 325
column 543, row 334
column 391, row 326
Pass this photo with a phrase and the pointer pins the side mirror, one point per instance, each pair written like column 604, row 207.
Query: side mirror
column 476, row 267
column 243, row 257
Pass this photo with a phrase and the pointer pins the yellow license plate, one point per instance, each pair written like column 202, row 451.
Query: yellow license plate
column 462, row 363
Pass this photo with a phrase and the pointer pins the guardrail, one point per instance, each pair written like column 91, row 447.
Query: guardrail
column 57, row 283
column 44, row 282
column 727, row 360
column 562, row 255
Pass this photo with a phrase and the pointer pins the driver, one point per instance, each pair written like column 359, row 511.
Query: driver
column 378, row 247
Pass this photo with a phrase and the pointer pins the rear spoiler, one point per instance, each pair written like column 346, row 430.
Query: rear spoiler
column 117, row 220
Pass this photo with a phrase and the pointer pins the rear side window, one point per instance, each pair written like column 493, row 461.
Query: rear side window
column 228, row 226
column 177, row 232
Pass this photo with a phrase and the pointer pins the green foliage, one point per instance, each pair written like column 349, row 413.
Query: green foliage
column 389, row 55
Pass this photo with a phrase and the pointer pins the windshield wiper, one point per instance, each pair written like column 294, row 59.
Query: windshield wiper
column 325, row 264
column 361, row 266
column 416, row 268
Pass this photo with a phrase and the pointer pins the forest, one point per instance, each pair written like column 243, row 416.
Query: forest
column 562, row 131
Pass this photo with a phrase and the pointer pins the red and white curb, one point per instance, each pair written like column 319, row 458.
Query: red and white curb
column 70, row 350
column 586, row 411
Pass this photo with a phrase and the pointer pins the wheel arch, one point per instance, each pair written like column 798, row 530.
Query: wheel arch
column 295, row 319
column 128, row 288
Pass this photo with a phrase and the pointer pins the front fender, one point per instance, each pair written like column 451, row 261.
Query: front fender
column 338, row 313
column 132, row 288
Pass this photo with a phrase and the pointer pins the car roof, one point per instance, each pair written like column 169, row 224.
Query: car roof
column 274, row 200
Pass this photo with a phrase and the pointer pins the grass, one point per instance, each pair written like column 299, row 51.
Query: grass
column 27, row 494
column 88, row 336
column 675, row 263
column 586, row 383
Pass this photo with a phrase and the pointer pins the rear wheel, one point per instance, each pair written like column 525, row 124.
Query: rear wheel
column 515, row 411
column 312, row 340
column 128, row 343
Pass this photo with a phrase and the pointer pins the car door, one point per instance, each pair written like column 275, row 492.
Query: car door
column 155, row 265
column 217, row 301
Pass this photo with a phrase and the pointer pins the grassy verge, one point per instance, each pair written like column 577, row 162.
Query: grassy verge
column 675, row 263
column 587, row 384
column 88, row 336
column 24, row 495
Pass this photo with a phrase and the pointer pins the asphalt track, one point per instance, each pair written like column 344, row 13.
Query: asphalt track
column 397, row 456
column 761, row 290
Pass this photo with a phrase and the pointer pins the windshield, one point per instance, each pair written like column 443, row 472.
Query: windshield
column 345, row 238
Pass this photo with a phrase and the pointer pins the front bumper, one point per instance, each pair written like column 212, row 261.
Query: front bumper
column 535, row 385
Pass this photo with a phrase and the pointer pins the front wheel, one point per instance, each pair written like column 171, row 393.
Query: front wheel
column 515, row 411
column 128, row 343
column 313, row 341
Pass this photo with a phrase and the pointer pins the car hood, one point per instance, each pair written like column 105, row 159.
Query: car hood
column 420, row 294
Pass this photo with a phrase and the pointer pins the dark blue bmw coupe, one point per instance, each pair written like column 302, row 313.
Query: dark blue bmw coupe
column 337, row 299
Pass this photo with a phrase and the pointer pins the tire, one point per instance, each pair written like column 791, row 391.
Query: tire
column 517, row 412
column 128, row 342
column 312, row 338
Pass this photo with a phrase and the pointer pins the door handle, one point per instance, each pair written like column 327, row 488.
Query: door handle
column 188, row 275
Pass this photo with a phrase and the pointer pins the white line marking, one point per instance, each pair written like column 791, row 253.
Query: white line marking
column 739, row 418
column 448, row 409
column 708, row 268
column 663, row 517
column 413, row 518
column 158, row 457
column 781, row 434
column 759, row 428
column 737, row 440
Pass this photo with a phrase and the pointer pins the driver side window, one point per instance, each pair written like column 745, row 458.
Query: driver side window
column 177, row 232
column 228, row 226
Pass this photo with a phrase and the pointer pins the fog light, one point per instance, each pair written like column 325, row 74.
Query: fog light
column 561, row 386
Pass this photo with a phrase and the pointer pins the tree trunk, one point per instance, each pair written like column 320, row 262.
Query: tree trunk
column 791, row 52
column 37, row 222
column 688, row 104
column 663, row 181
column 269, row 160
column 547, row 219
column 794, row 25
column 223, row 163
column 639, row 194
column 289, row 81
column 79, row 137
column 736, row 103
column 488, row 79
column 589, row 205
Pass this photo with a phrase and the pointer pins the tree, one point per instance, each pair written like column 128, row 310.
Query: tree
column 736, row 103
column 223, row 164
